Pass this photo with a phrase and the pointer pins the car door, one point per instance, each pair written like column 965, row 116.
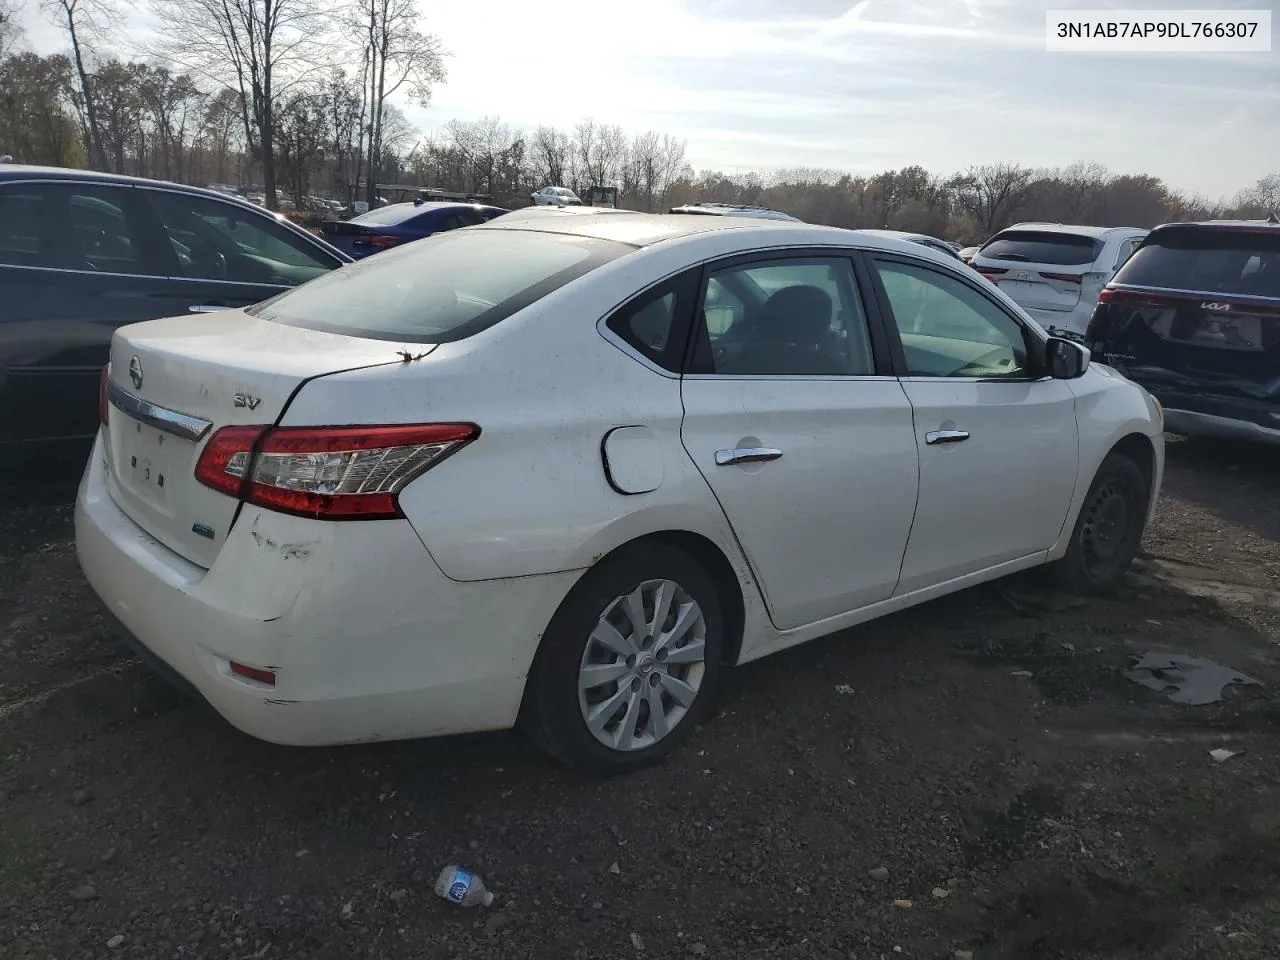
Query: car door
column 227, row 254
column 77, row 260
column 997, row 441
column 806, row 440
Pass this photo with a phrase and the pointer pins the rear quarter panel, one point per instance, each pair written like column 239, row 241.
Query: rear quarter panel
column 531, row 494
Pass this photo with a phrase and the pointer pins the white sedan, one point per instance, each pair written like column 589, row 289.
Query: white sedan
column 566, row 470
column 554, row 197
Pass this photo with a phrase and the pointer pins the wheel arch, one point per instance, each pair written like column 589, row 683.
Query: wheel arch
column 1139, row 448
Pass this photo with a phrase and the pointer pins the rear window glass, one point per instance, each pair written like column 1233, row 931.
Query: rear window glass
column 385, row 216
column 1030, row 246
column 444, row 288
column 1240, row 262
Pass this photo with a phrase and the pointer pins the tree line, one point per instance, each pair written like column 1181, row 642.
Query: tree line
column 299, row 99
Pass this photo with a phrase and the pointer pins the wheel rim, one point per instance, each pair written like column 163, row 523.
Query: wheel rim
column 643, row 666
column 1106, row 525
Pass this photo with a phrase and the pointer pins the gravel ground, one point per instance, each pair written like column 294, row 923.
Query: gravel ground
column 971, row 777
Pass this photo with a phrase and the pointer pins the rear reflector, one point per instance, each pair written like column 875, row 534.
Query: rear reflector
column 257, row 674
column 327, row 473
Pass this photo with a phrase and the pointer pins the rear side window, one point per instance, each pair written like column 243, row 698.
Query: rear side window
column 1243, row 262
column 23, row 227
column 444, row 288
column 1033, row 246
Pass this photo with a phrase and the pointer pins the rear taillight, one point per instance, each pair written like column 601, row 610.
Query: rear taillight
column 104, row 394
column 329, row 473
column 381, row 242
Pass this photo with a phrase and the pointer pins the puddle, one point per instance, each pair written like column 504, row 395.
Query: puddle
column 1195, row 680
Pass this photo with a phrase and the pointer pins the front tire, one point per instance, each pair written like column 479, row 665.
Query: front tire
column 1108, row 530
column 629, row 664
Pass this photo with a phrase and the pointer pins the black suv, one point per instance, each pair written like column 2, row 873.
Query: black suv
column 82, row 253
column 1194, row 316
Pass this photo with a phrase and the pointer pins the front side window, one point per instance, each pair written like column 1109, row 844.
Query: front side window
column 948, row 329
column 219, row 240
column 446, row 287
column 784, row 318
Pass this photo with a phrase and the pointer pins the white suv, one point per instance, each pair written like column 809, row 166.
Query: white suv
column 1054, row 271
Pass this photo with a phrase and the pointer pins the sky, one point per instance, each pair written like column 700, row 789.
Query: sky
column 856, row 86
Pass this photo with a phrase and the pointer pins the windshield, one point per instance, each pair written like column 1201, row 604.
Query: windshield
column 444, row 288
column 1033, row 246
column 1243, row 262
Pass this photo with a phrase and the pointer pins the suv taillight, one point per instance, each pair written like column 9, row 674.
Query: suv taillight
column 327, row 473
column 104, row 394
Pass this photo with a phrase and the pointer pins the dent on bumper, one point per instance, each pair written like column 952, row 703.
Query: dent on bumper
column 368, row 639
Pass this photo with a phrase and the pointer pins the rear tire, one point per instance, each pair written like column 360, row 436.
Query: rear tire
column 607, row 696
column 1108, row 530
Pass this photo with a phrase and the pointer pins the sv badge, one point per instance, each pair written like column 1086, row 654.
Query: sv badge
column 247, row 400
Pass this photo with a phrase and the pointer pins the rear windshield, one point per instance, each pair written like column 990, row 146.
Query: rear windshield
column 1031, row 246
column 447, row 287
column 385, row 216
column 1242, row 262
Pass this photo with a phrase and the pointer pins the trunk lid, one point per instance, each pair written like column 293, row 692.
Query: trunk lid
column 351, row 238
column 1060, row 288
column 175, row 382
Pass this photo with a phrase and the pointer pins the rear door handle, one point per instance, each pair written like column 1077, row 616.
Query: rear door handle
column 208, row 308
column 946, row 436
column 725, row 458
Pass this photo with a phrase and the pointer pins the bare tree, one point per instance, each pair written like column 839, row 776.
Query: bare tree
column 656, row 161
column 601, row 154
column 258, row 47
column 992, row 194
column 83, row 21
column 36, row 125
column 550, row 154
column 395, row 55
column 1263, row 197
column 10, row 32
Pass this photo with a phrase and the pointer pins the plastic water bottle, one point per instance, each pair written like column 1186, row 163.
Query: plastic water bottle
column 462, row 887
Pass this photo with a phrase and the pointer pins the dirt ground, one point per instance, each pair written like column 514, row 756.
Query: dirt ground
column 985, row 750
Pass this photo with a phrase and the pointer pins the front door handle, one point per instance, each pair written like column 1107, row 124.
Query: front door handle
column 946, row 436
column 208, row 308
column 725, row 458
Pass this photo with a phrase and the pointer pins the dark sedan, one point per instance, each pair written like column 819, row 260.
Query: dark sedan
column 399, row 223
column 83, row 253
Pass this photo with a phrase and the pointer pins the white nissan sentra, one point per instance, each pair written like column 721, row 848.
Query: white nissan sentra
column 565, row 470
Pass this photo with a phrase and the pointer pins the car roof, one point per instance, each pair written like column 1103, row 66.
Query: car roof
column 901, row 235
column 1073, row 228
column 1247, row 225
column 645, row 229
column 22, row 171
column 732, row 210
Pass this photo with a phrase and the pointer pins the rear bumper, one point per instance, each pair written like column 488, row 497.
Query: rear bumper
column 367, row 638
column 1208, row 415
column 1193, row 423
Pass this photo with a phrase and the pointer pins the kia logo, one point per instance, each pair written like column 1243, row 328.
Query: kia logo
column 135, row 372
column 1216, row 307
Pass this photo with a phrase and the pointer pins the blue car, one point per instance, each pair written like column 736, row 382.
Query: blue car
column 399, row 223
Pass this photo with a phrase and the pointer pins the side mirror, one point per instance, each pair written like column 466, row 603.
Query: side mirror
column 1065, row 358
